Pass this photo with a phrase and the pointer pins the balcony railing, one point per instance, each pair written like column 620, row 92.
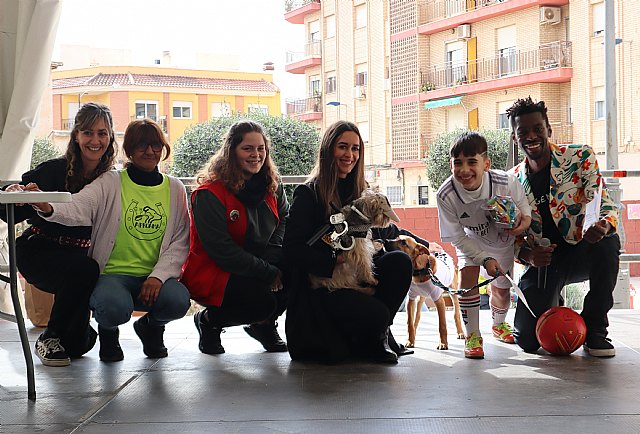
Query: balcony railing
column 435, row 10
column 162, row 121
column 67, row 124
column 509, row 63
column 290, row 5
column 312, row 104
column 311, row 49
column 561, row 132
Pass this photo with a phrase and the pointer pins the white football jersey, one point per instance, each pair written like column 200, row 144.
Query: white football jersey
column 464, row 222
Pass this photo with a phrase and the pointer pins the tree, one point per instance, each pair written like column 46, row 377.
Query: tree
column 294, row 143
column 438, row 168
column 43, row 150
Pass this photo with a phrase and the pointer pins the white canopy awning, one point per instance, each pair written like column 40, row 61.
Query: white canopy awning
column 27, row 34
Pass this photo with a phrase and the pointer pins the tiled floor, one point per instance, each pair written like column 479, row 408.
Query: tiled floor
column 249, row 391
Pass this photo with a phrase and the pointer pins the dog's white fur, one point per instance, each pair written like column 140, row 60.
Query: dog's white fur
column 355, row 269
column 414, row 249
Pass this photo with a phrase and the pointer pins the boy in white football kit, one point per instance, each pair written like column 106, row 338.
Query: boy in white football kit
column 477, row 239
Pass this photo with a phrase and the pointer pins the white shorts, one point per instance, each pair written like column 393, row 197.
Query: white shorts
column 504, row 258
column 445, row 271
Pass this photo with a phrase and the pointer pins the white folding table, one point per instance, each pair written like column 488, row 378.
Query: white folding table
column 11, row 199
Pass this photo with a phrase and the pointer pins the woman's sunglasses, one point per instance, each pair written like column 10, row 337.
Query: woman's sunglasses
column 156, row 147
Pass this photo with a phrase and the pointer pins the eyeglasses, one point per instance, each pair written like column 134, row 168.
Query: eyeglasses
column 155, row 147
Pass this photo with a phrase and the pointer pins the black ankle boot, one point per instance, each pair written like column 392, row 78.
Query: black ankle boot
column 383, row 352
column 397, row 348
column 151, row 337
column 267, row 335
column 110, row 350
column 209, row 342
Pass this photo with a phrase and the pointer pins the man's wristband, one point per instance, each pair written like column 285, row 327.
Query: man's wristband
column 487, row 259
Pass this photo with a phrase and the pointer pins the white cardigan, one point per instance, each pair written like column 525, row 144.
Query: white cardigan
column 99, row 205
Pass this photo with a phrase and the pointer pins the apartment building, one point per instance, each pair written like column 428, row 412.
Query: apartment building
column 175, row 98
column 345, row 60
column 445, row 64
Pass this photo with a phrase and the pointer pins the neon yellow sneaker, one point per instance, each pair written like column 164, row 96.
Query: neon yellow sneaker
column 473, row 347
column 504, row 333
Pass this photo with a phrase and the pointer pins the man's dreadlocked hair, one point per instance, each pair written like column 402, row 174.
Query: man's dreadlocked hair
column 524, row 106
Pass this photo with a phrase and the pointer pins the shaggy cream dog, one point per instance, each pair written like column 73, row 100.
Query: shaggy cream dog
column 354, row 267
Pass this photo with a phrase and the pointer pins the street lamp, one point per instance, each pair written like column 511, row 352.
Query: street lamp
column 338, row 104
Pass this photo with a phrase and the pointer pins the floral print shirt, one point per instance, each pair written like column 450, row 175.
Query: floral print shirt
column 575, row 177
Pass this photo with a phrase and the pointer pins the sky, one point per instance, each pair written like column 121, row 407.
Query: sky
column 253, row 30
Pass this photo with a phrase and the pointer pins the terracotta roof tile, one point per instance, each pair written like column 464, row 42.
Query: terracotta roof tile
column 152, row 80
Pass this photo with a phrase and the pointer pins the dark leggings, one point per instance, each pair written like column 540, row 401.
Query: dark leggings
column 247, row 301
column 68, row 273
column 363, row 318
column 597, row 263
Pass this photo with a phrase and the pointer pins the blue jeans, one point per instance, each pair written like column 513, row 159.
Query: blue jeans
column 116, row 297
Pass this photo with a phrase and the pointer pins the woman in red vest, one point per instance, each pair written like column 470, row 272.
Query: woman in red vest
column 237, row 226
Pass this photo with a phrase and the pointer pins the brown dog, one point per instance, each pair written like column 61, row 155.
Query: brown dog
column 421, row 285
column 354, row 269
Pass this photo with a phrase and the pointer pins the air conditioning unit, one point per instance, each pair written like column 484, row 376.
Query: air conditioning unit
column 463, row 31
column 360, row 91
column 549, row 15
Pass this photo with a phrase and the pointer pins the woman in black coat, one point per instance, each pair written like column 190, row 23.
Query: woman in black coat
column 324, row 325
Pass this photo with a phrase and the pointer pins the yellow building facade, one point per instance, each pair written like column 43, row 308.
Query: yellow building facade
column 175, row 98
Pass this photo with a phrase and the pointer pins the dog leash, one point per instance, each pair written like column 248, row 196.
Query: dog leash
column 460, row 291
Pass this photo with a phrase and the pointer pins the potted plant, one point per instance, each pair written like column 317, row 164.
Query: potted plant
column 427, row 86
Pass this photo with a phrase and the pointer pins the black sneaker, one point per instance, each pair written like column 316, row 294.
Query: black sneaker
column 51, row 353
column 110, row 350
column 267, row 335
column 151, row 337
column 599, row 346
column 209, row 342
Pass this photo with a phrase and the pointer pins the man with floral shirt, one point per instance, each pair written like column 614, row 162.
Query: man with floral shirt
column 560, row 180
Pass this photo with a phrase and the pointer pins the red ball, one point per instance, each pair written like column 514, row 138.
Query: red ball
column 561, row 330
